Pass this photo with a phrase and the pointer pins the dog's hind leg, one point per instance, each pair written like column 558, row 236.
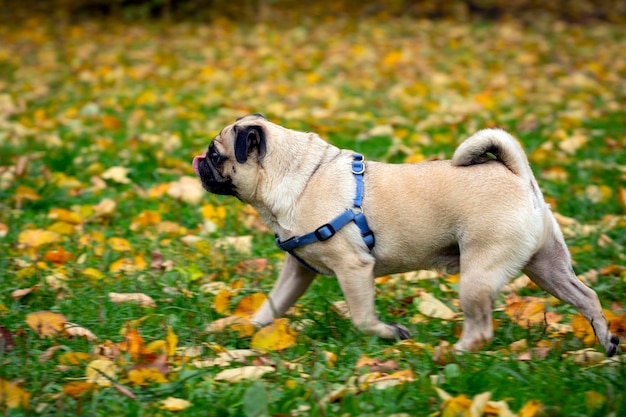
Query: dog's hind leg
column 484, row 270
column 550, row 268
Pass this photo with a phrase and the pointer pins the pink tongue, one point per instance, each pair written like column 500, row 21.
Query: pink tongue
column 195, row 162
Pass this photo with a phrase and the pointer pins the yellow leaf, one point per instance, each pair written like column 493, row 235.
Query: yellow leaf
column 46, row 323
column 172, row 342
column 222, row 301
column 37, row 237
column 62, row 228
column 249, row 304
column 276, row 336
column 146, row 376
column 65, row 215
column 92, row 274
column 140, row 263
column 175, row 404
column 26, row 193
column 216, row 214
column 125, row 265
column 135, row 297
column 156, row 346
column 145, row 218
column 12, row 396
column 74, row 358
column 101, row 371
column 331, row 358
column 532, row 408
column 77, row 388
column 119, row 244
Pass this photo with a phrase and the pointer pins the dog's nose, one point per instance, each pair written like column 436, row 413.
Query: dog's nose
column 196, row 161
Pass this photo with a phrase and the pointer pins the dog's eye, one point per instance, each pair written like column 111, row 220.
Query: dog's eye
column 215, row 157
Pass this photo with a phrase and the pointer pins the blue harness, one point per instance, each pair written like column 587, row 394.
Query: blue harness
column 328, row 230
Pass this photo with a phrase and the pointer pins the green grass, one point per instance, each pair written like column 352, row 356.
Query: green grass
column 339, row 78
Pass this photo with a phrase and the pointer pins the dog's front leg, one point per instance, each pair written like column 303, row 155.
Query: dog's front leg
column 292, row 282
column 357, row 283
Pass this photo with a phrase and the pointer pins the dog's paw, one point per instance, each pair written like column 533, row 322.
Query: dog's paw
column 402, row 333
column 613, row 348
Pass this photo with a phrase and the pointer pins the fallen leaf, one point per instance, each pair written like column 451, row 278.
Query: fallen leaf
column 187, row 189
column 78, row 388
column 171, row 342
column 74, row 358
column 532, row 408
column 135, row 297
column 72, row 329
column 237, row 324
column 242, row 244
column 46, row 323
column 432, row 307
column 37, row 237
column 221, row 303
column 12, row 396
column 117, row 174
column 119, row 244
column 249, row 304
column 174, row 404
column 146, row 376
column 250, row 373
column 101, row 372
column 276, row 336
column 17, row 294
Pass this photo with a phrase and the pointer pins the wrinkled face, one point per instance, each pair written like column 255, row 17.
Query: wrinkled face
column 221, row 167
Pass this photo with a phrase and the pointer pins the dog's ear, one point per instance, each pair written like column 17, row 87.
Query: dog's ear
column 248, row 139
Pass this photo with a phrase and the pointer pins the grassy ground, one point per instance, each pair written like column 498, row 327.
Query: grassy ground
column 80, row 101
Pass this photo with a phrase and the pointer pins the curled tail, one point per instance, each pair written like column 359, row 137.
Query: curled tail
column 489, row 144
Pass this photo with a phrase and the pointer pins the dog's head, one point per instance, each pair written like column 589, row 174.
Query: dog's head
column 230, row 165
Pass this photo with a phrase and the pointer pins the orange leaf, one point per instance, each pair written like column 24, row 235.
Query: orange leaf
column 134, row 343
column 110, row 122
column 527, row 312
column 276, row 336
column 222, row 301
column 249, row 304
column 77, row 388
column 58, row 256
column 74, row 358
column 46, row 323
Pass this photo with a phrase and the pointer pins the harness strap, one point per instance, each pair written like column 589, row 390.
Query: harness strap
column 328, row 230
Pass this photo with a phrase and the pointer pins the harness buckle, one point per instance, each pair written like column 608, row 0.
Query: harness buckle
column 358, row 167
column 324, row 232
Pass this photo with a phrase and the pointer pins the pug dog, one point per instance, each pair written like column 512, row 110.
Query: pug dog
column 481, row 214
